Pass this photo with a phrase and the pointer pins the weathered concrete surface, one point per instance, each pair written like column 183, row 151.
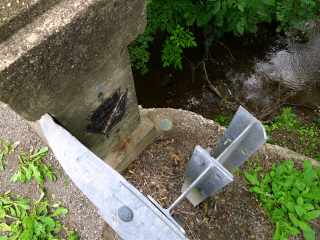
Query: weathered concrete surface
column 132, row 145
column 17, row 14
column 68, row 57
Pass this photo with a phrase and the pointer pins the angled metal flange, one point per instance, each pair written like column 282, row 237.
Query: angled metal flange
column 243, row 137
column 121, row 205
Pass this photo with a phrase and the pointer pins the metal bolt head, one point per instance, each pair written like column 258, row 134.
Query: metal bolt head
column 125, row 214
column 165, row 124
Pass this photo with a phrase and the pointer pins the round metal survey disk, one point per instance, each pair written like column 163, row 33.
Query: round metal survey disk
column 165, row 124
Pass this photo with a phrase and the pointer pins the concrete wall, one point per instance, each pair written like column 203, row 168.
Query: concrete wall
column 70, row 58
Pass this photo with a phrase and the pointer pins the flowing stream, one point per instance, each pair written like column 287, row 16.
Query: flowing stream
column 258, row 70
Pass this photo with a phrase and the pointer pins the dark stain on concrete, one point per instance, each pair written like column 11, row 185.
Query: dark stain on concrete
column 108, row 114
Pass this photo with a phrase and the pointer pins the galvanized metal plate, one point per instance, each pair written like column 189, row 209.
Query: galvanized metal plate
column 243, row 137
column 216, row 177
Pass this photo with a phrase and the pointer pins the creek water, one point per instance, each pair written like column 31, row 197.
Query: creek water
column 257, row 69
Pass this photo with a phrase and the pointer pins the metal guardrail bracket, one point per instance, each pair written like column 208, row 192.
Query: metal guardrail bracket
column 243, row 137
column 123, row 207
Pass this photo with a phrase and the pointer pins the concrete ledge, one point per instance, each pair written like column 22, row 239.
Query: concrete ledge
column 129, row 149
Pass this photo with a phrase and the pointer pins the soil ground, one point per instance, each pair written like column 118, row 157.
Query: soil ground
column 231, row 213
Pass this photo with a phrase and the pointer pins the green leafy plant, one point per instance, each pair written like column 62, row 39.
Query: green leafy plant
column 39, row 224
column 236, row 171
column 33, row 166
column 7, row 149
column 139, row 54
column 287, row 119
column 223, row 120
column 180, row 38
column 290, row 197
column 217, row 17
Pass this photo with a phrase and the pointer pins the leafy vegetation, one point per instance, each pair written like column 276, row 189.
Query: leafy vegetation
column 290, row 197
column 7, row 149
column 222, row 119
column 33, row 166
column 30, row 166
column 139, row 54
column 181, row 38
column 41, row 223
column 287, row 132
column 217, row 17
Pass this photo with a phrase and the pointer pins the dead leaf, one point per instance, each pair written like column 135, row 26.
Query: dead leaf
column 209, row 136
column 204, row 220
column 205, row 206
column 174, row 156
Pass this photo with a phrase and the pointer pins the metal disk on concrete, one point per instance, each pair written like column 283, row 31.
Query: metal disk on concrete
column 165, row 124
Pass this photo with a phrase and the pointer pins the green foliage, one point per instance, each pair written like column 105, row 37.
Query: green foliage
column 180, row 38
column 286, row 119
column 290, row 197
column 7, row 149
column 33, row 166
column 39, row 224
column 139, row 54
column 223, row 120
column 294, row 15
column 230, row 15
column 236, row 171
column 300, row 137
column 217, row 17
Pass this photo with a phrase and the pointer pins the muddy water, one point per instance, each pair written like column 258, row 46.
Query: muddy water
column 257, row 69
